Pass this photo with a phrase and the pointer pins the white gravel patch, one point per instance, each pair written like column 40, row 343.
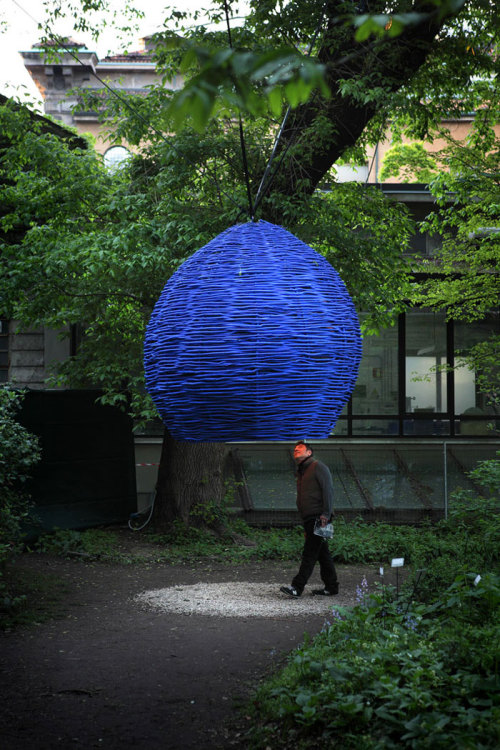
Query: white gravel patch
column 238, row 599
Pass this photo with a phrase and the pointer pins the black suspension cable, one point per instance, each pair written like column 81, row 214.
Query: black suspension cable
column 242, row 136
column 261, row 192
column 291, row 141
column 264, row 186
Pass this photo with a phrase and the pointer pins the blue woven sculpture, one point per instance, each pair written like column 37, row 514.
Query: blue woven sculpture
column 254, row 337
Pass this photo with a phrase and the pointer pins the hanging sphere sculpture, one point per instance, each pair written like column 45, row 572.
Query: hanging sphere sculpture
column 254, row 337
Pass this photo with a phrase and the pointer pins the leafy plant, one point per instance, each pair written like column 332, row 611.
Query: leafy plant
column 392, row 674
column 19, row 452
column 90, row 544
column 215, row 514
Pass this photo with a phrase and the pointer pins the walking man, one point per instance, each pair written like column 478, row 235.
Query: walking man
column 314, row 500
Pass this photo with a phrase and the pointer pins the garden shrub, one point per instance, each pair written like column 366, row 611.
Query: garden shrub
column 19, row 452
column 390, row 674
column 469, row 539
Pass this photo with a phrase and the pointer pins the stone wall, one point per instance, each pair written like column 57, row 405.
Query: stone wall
column 32, row 353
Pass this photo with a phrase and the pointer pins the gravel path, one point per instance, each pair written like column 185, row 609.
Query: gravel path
column 240, row 599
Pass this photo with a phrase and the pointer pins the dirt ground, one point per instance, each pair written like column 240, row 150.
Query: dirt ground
column 108, row 673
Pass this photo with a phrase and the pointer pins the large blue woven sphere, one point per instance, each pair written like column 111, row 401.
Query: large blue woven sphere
column 254, row 337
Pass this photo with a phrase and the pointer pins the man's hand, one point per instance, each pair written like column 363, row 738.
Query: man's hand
column 324, row 520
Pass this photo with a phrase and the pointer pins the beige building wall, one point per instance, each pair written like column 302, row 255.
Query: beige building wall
column 59, row 83
column 458, row 129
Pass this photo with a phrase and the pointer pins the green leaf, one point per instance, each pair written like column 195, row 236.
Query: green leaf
column 275, row 101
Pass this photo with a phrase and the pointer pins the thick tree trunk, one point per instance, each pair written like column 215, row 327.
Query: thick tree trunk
column 191, row 483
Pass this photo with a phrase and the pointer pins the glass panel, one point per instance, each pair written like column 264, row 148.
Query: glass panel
column 4, row 359
column 468, row 399
column 400, row 478
column 376, row 390
column 426, row 426
column 375, row 427
column 461, row 459
column 270, row 477
column 341, row 428
column 425, row 354
column 4, row 343
column 486, row 427
column 401, row 481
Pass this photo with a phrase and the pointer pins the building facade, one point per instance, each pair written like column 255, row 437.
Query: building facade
column 79, row 68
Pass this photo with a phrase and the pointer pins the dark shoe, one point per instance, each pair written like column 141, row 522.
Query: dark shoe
column 290, row 591
column 325, row 592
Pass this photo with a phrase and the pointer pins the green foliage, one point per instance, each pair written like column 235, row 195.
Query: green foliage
column 360, row 542
column 265, row 66
column 462, row 276
column 215, row 513
column 19, row 453
column 19, row 449
column 376, row 231
column 258, row 73
column 410, row 161
column 487, row 474
column 189, row 544
column 91, row 544
column 384, row 25
column 81, row 247
column 466, row 219
column 87, row 17
column 482, row 359
column 457, row 78
column 393, row 673
column 254, row 82
column 468, row 540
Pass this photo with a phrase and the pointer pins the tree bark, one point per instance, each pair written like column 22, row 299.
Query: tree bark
column 191, row 483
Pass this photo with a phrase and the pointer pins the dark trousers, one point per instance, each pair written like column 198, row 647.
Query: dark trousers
column 315, row 550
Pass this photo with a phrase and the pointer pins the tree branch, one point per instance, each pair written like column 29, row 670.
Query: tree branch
column 387, row 63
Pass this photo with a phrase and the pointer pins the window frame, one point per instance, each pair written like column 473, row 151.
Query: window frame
column 446, row 424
